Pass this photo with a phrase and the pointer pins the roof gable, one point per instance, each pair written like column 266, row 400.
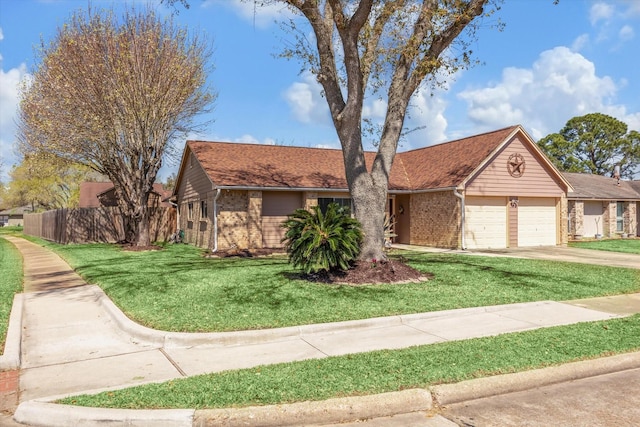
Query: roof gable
column 449, row 164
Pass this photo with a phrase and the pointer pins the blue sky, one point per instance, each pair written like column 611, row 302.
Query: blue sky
column 551, row 63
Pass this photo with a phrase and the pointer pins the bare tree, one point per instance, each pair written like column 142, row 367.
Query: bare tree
column 371, row 46
column 114, row 94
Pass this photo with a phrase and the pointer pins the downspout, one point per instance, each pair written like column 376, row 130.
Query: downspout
column 215, row 221
column 462, row 217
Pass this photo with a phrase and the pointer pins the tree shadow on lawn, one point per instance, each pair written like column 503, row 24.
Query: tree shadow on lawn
column 542, row 278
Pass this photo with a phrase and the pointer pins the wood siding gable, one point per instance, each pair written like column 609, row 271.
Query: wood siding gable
column 194, row 182
column 539, row 179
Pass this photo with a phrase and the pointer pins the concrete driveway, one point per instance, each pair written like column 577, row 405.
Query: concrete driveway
column 553, row 253
column 569, row 254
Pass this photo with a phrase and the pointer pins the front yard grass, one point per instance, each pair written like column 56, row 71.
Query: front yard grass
column 631, row 246
column 10, row 284
column 380, row 371
column 177, row 289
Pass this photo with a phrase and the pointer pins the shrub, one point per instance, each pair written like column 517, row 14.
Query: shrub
column 317, row 240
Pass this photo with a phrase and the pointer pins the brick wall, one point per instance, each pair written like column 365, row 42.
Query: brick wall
column 576, row 217
column 9, row 386
column 631, row 216
column 609, row 219
column 310, row 199
column 435, row 219
column 564, row 221
column 233, row 207
column 254, row 219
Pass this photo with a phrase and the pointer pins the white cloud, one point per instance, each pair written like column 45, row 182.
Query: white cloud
column 9, row 100
column 425, row 120
column 580, row 42
column 260, row 16
column 327, row 146
column 250, row 139
column 626, row 33
column 600, row 12
column 375, row 110
column 1, row 34
column 632, row 120
column 560, row 85
column 633, row 8
column 306, row 101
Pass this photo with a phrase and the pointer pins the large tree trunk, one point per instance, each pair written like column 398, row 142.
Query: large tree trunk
column 368, row 189
column 133, row 200
column 369, row 200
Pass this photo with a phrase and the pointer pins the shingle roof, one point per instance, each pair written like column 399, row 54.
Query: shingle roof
column 252, row 165
column 21, row 210
column 449, row 164
column 597, row 187
column 89, row 192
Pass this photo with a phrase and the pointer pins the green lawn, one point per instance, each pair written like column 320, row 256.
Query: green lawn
column 10, row 283
column 178, row 289
column 380, row 371
column 631, row 246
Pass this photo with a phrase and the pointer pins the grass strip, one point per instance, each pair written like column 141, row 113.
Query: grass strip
column 10, row 284
column 178, row 289
column 380, row 371
column 630, row 246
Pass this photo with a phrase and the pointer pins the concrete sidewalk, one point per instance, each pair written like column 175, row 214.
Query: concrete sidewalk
column 75, row 340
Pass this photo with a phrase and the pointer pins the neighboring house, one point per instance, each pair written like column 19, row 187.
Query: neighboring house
column 97, row 194
column 493, row 190
column 602, row 206
column 14, row 216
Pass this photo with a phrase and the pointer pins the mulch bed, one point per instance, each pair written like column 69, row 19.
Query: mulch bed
column 363, row 273
column 244, row 253
column 132, row 248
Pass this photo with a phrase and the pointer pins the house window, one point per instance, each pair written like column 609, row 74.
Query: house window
column 620, row 217
column 203, row 209
column 190, row 210
column 324, row 202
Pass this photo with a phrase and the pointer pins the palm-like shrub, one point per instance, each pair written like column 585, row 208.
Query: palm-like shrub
column 317, row 240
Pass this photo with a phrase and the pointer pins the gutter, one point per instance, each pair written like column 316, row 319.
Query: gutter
column 462, row 217
column 326, row 190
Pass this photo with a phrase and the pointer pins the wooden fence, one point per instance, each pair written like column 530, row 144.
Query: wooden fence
column 104, row 224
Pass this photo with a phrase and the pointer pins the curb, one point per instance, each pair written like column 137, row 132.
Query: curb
column 167, row 339
column 10, row 359
column 36, row 413
column 447, row 394
column 331, row 411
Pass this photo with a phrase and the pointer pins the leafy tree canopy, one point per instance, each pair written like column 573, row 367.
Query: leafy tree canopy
column 45, row 182
column 594, row 143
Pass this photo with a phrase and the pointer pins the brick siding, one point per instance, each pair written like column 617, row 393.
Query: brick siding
column 435, row 219
column 254, row 219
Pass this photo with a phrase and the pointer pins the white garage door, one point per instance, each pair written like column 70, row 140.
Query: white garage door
column 537, row 222
column 485, row 222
